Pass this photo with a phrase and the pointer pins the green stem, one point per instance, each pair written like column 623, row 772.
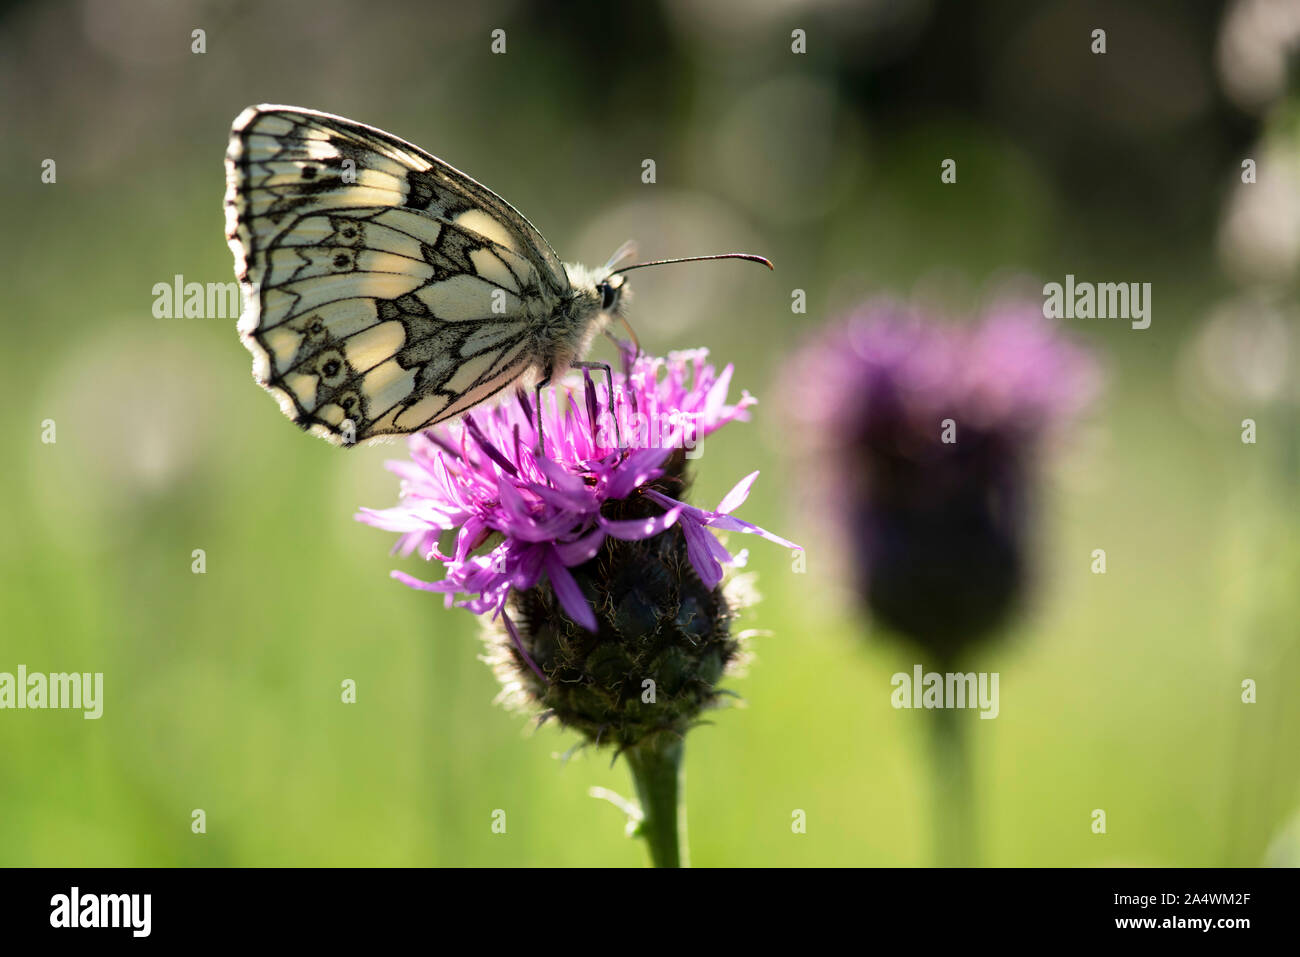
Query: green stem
column 954, row 795
column 657, row 771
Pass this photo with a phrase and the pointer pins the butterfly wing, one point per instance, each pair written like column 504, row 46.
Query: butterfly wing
column 384, row 290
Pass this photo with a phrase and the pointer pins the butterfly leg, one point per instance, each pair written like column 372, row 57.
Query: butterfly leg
column 609, row 383
column 537, row 395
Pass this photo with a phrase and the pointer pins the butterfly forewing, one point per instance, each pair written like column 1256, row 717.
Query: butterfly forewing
column 384, row 290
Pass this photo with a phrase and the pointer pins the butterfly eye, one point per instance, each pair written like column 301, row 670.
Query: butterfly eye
column 608, row 296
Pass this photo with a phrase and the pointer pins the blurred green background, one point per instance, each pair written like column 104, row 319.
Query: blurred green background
column 222, row 691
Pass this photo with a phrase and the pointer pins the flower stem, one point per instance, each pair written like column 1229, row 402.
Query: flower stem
column 657, row 771
column 954, row 795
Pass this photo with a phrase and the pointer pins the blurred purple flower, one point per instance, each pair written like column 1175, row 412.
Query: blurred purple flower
column 926, row 435
column 481, row 477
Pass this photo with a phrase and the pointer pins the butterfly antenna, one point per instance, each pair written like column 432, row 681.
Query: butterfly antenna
column 695, row 259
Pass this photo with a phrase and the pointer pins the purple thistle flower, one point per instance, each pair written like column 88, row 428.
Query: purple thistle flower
column 548, row 536
column 928, row 435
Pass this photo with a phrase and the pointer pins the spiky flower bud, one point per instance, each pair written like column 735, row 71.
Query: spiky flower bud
column 928, row 437
column 663, row 637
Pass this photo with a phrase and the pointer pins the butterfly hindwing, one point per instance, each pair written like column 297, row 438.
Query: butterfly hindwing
column 384, row 290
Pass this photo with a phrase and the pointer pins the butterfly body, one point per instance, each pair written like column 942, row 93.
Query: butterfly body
column 566, row 335
column 385, row 291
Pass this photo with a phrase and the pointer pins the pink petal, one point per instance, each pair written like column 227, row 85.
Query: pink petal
column 736, row 497
column 698, row 549
column 727, row 523
column 582, row 549
column 635, row 529
column 567, row 590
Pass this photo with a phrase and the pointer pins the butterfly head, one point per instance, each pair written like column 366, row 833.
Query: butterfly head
column 600, row 296
column 611, row 293
column 610, row 283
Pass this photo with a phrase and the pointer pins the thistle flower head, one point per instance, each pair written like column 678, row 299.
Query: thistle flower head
column 598, row 574
column 928, row 433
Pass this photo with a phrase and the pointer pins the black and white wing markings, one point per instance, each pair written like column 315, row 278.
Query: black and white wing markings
column 313, row 326
column 297, row 155
column 404, row 368
column 385, row 291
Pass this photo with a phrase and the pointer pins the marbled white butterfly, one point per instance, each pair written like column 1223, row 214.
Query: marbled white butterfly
column 386, row 291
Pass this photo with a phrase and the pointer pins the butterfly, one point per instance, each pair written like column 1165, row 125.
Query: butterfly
column 386, row 291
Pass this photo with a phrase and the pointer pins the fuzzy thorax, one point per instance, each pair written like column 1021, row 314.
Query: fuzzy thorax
column 566, row 335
